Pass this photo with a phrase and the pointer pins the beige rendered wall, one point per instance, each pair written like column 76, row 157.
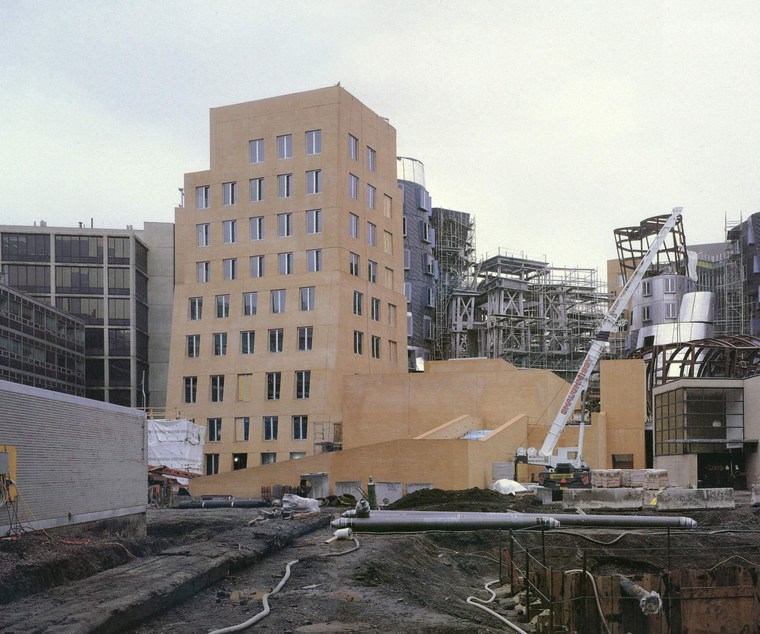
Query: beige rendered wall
column 752, row 428
column 682, row 470
column 404, row 406
column 623, row 402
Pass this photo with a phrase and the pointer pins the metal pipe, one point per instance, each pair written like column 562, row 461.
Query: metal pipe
column 246, row 503
column 566, row 519
column 400, row 521
column 649, row 602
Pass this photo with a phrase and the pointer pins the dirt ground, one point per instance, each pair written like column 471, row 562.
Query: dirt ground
column 397, row 583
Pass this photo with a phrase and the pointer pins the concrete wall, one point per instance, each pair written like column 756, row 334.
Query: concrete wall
column 752, row 427
column 682, row 470
column 77, row 460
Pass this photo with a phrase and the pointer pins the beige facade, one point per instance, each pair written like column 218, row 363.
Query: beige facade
column 289, row 275
column 409, row 428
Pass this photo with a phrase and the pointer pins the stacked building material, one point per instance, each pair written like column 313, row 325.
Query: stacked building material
column 606, row 478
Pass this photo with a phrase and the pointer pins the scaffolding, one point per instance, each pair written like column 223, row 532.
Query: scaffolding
column 456, row 282
column 535, row 315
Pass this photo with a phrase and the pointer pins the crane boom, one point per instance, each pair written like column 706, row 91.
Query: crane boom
column 599, row 343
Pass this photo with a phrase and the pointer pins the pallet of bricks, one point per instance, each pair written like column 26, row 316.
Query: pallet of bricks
column 606, row 478
column 650, row 479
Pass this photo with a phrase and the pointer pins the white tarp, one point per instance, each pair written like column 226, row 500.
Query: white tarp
column 177, row 444
column 507, row 487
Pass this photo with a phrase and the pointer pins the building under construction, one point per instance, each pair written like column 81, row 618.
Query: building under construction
column 525, row 311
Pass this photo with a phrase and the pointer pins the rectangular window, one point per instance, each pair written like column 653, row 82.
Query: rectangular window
column 393, row 351
column 285, row 263
column 285, row 185
column 409, row 325
column 275, row 340
column 314, row 260
column 195, row 308
column 285, row 225
column 220, row 344
column 371, row 196
column 285, row 146
column 268, row 457
column 274, row 382
column 388, row 206
column 256, row 226
column 431, row 297
column 308, row 297
column 247, row 340
column 392, row 315
column 646, row 288
column 407, row 259
column 212, row 463
column 278, row 300
column 353, row 147
column 429, row 264
column 313, row 142
column 372, row 271
column 204, row 272
column 388, row 278
column 358, row 342
column 256, row 150
column 313, row 181
column 230, row 268
column 425, row 231
column 427, row 327
column 371, row 234
column 358, row 300
column 670, row 310
column 645, row 313
column 270, row 432
column 297, row 455
column 239, row 461
column 375, row 347
column 242, row 428
column 191, row 389
column 314, row 221
column 217, row 388
column 245, row 383
column 228, row 193
column 229, row 231
column 256, row 189
column 257, row 266
column 353, row 225
column 222, row 306
column 305, row 338
column 204, row 234
column 374, row 311
column 193, row 345
column 202, row 197
column 403, row 226
column 353, row 264
column 303, row 381
column 214, row 426
column 300, row 428
column 388, row 242
column 408, row 291
column 371, row 159
column 353, row 186
column 250, row 300
column 670, row 285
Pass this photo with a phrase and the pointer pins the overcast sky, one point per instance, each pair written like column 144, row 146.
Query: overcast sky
column 551, row 122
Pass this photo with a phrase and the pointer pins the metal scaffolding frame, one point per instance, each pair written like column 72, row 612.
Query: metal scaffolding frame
column 454, row 252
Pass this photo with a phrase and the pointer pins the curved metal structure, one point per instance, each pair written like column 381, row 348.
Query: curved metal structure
column 634, row 242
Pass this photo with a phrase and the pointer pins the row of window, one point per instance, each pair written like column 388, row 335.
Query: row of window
column 256, row 226
column 275, row 338
column 313, row 146
column 671, row 311
column 313, row 184
column 269, row 428
column 669, row 286
column 240, row 460
column 307, row 303
column 36, row 247
column 274, row 379
column 286, row 266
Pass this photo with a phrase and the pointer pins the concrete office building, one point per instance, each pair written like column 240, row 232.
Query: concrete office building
column 107, row 278
column 289, row 275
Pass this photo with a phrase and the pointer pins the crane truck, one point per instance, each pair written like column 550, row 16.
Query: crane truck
column 568, row 468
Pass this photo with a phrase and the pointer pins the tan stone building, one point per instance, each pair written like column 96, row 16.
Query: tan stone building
column 289, row 276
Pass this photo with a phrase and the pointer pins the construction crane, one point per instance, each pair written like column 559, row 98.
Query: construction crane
column 568, row 464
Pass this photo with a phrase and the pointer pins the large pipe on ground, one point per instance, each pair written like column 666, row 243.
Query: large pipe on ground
column 247, row 503
column 400, row 521
column 649, row 602
column 565, row 519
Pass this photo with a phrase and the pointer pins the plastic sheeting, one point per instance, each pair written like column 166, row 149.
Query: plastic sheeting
column 507, row 487
column 177, row 444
